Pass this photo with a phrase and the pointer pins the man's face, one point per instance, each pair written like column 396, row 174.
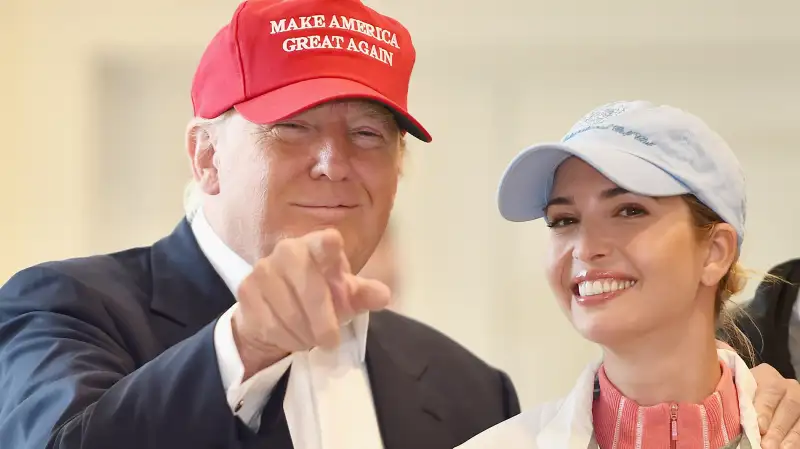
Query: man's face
column 333, row 166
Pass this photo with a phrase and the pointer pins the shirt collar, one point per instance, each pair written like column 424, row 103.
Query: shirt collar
column 233, row 269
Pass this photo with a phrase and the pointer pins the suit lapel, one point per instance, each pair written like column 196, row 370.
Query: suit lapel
column 187, row 292
column 410, row 413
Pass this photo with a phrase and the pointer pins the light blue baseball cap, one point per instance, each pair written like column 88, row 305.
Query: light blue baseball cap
column 647, row 149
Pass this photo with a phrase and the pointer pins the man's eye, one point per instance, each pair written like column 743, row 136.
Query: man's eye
column 288, row 125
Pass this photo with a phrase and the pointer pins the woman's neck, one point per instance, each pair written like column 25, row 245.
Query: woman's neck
column 652, row 369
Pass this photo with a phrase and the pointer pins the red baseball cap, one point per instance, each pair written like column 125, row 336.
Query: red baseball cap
column 280, row 57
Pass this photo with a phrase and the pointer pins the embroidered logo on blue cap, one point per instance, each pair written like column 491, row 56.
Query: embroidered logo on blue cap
column 598, row 118
column 601, row 114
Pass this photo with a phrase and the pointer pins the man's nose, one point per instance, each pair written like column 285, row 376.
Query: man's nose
column 332, row 160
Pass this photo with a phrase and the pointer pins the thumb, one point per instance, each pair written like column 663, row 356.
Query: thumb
column 368, row 294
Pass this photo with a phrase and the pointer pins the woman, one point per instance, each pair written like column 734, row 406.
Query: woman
column 646, row 210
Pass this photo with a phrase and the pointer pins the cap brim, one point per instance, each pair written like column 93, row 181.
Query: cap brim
column 282, row 103
column 525, row 186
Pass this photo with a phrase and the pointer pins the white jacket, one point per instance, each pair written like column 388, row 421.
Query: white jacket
column 567, row 423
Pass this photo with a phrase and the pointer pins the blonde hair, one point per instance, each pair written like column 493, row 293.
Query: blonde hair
column 732, row 282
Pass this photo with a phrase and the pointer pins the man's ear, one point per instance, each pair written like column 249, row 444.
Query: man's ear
column 722, row 251
column 204, row 159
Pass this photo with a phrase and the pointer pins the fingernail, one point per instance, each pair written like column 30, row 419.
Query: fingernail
column 763, row 423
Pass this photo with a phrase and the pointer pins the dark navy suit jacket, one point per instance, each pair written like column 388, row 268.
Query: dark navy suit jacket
column 116, row 352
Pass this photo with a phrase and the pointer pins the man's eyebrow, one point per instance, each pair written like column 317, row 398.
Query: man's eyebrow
column 380, row 113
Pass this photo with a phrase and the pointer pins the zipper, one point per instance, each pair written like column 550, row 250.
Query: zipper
column 673, row 421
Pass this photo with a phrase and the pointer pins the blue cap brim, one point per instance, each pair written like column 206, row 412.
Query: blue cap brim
column 525, row 186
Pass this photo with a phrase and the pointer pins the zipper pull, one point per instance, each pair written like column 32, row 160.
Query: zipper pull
column 673, row 420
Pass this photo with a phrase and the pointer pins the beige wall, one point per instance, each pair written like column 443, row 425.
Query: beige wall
column 12, row 213
column 95, row 98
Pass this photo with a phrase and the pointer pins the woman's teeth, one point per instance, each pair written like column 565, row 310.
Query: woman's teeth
column 600, row 286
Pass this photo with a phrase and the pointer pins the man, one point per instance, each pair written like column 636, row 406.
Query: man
column 247, row 326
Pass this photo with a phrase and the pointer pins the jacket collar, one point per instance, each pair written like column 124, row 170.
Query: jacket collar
column 571, row 427
column 403, row 400
column 186, row 288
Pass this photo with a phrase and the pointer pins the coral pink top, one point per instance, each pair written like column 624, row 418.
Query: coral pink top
column 620, row 423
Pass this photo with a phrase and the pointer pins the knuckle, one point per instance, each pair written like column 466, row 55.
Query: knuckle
column 260, row 269
column 284, row 248
column 792, row 396
column 777, row 431
column 247, row 289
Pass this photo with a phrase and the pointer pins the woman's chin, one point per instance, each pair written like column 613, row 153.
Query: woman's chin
column 605, row 329
column 600, row 336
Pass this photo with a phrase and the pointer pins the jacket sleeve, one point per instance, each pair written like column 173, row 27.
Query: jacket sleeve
column 68, row 382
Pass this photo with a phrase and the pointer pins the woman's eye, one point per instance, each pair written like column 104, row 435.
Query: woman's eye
column 632, row 211
column 560, row 222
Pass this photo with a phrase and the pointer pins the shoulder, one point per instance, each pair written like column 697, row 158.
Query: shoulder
column 519, row 432
column 76, row 282
column 779, row 278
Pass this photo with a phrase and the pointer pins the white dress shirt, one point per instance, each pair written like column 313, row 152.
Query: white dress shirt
column 328, row 402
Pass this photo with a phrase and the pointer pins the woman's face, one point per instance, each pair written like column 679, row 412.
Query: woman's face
column 621, row 264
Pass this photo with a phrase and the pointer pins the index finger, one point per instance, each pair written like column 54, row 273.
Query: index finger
column 327, row 251
column 766, row 403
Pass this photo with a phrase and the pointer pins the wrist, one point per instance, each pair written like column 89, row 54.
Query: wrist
column 255, row 356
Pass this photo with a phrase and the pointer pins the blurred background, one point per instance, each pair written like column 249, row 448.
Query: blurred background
column 95, row 100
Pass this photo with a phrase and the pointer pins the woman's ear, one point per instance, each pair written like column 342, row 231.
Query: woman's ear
column 722, row 251
column 204, row 159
